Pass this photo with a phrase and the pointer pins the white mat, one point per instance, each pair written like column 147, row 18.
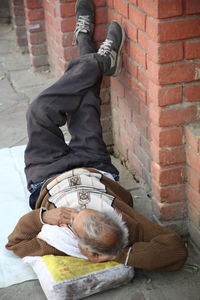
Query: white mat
column 14, row 204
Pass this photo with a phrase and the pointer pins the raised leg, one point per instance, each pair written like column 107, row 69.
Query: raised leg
column 75, row 97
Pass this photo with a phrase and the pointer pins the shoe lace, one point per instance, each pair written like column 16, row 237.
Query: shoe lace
column 82, row 25
column 105, row 48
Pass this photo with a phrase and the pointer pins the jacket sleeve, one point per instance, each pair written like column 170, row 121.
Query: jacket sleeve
column 165, row 252
column 152, row 247
column 23, row 240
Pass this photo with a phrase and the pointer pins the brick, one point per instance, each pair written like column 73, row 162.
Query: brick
column 137, row 17
column 138, row 54
column 125, row 109
column 143, row 77
column 138, row 89
column 123, row 147
column 98, row 3
column 192, row 141
column 164, row 53
column 167, row 156
column 130, row 65
column 142, row 156
column 169, row 211
column 105, row 95
column 50, row 9
column 193, row 160
column 121, row 6
column 161, row 8
column 101, row 15
column 173, row 73
column 67, row 39
column 39, row 61
column 160, row 53
column 32, row 4
column 166, row 137
column 37, row 38
column 144, row 110
column 67, row 10
column 35, row 26
column 134, row 164
column 193, row 179
column 133, row 132
column 167, row 176
column 133, row 100
column 99, row 33
column 145, row 144
column 143, row 39
column 117, row 87
column 38, row 50
column 70, row 53
column 21, row 32
column 170, row 193
column 110, row 3
column 140, row 124
column 192, row 7
column 193, row 197
column 19, row 20
column 114, row 15
column 192, row 49
column 130, row 29
column 133, row 1
column 163, row 31
column 35, row 14
column 68, row 25
column 164, row 95
column 19, row 11
column 178, row 116
column 18, row 2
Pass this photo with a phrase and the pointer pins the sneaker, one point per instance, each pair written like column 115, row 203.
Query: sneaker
column 111, row 49
column 84, row 18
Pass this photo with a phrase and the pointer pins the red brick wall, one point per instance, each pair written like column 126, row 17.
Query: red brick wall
column 156, row 95
column 18, row 20
column 193, row 183
column 35, row 26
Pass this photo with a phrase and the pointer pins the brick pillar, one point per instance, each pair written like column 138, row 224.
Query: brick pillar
column 156, row 95
column 170, row 29
column 36, row 32
column 193, row 182
column 18, row 17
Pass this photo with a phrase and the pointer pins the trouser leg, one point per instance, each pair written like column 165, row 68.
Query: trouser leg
column 46, row 153
column 85, row 44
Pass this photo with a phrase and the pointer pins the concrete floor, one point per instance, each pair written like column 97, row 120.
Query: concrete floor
column 19, row 84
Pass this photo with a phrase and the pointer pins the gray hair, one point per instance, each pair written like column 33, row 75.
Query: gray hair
column 97, row 225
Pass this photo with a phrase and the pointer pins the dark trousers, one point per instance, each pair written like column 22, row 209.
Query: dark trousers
column 73, row 99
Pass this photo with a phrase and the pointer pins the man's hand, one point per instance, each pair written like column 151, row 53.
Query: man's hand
column 59, row 216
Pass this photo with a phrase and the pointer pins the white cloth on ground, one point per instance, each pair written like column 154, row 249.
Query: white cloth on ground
column 14, row 204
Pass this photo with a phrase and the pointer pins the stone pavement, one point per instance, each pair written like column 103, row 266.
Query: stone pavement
column 19, row 84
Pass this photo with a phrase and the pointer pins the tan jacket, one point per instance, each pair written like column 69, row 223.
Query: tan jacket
column 153, row 247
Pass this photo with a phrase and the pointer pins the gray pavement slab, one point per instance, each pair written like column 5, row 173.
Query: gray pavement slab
column 6, row 90
column 29, row 78
column 13, row 125
column 19, row 85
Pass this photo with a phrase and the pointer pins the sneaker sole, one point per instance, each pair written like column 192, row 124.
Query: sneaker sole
column 118, row 64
